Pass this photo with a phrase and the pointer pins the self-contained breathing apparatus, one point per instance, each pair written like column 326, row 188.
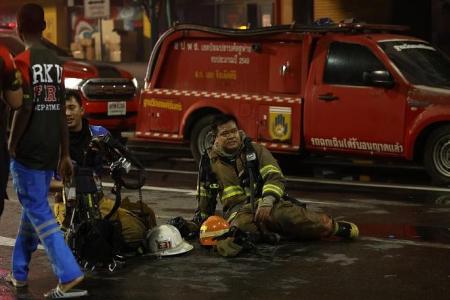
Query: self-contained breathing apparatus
column 97, row 241
column 252, row 168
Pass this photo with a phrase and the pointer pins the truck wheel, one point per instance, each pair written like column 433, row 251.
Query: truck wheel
column 437, row 155
column 201, row 136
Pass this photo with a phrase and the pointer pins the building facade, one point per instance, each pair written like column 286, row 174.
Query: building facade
column 127, row 25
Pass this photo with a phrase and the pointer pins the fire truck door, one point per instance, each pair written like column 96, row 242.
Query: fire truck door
column 344, row 107
column 285, row 68
column 164, row 120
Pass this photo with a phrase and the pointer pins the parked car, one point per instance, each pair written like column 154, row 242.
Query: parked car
column 348, row 89
column 109, row 95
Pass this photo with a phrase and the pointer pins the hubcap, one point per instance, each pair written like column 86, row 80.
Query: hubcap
column 441, row 156
column 205, row 139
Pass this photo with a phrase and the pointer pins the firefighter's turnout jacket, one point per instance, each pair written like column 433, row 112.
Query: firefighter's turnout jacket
column 232, row 186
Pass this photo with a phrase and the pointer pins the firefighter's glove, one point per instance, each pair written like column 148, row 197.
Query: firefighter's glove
column 187, row 229
column 264, row 209
column 231, row 233
column 199, row 218
column 248, row 240
column 244, row 239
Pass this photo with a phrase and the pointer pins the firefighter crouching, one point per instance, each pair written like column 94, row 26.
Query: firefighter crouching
column 81, row 137
column 251, row 188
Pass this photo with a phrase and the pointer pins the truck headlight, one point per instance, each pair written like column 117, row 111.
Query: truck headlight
column 72, row 83
column 135, row 83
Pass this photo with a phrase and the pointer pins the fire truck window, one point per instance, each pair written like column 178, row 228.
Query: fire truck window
column 346, row 64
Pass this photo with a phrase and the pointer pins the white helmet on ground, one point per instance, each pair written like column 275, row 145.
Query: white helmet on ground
column 166, row 240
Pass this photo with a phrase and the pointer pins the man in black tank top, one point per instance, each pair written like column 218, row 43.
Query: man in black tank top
column 38, row 145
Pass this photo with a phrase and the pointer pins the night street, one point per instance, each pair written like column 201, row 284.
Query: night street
column 403, row 252
column 151, row 113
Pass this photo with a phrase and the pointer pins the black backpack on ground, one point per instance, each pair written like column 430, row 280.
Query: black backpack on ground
column 95, row 241
column 98, row 243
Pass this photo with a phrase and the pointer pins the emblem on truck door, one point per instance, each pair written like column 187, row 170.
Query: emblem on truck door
column 280, row 123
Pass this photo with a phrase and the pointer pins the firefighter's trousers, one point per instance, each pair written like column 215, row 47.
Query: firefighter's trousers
column 39, row 225
column 287, row 219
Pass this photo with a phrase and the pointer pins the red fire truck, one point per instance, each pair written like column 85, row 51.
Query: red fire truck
column 353, row 89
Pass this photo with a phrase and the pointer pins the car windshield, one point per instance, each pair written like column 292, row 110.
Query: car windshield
column 419, row 62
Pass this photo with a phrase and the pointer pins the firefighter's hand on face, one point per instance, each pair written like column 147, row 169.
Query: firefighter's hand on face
column 264, row 209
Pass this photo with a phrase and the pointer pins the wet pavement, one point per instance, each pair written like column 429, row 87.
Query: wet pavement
column 403, row 253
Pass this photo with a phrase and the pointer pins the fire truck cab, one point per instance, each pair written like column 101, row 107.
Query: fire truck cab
column 351, row 89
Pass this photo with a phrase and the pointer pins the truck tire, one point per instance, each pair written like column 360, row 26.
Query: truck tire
column 200, row 137
column 437, row 155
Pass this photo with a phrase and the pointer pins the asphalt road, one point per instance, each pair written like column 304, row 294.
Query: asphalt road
column 403, row 253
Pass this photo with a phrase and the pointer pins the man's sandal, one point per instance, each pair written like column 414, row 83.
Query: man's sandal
column 66, row 290
column 14, row 282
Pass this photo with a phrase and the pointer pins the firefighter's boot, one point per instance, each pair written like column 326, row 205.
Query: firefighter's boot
column 346, row 230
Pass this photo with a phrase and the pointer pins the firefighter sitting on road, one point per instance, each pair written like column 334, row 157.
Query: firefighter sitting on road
column 232, row 165
column 81, row 136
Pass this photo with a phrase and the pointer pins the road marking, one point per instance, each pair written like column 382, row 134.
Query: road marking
column 384, row 202
column 367, row 184
column 366, row 204
column 170, row 171
column 4, row 241
column 331, row 182
column 157, row 188
column 363, row 204
column 9, row 242
column 406, row 242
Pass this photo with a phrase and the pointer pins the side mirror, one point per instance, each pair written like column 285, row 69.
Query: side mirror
column 380, row 78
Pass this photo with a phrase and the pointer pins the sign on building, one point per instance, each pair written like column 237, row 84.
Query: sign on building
column 95, row 9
